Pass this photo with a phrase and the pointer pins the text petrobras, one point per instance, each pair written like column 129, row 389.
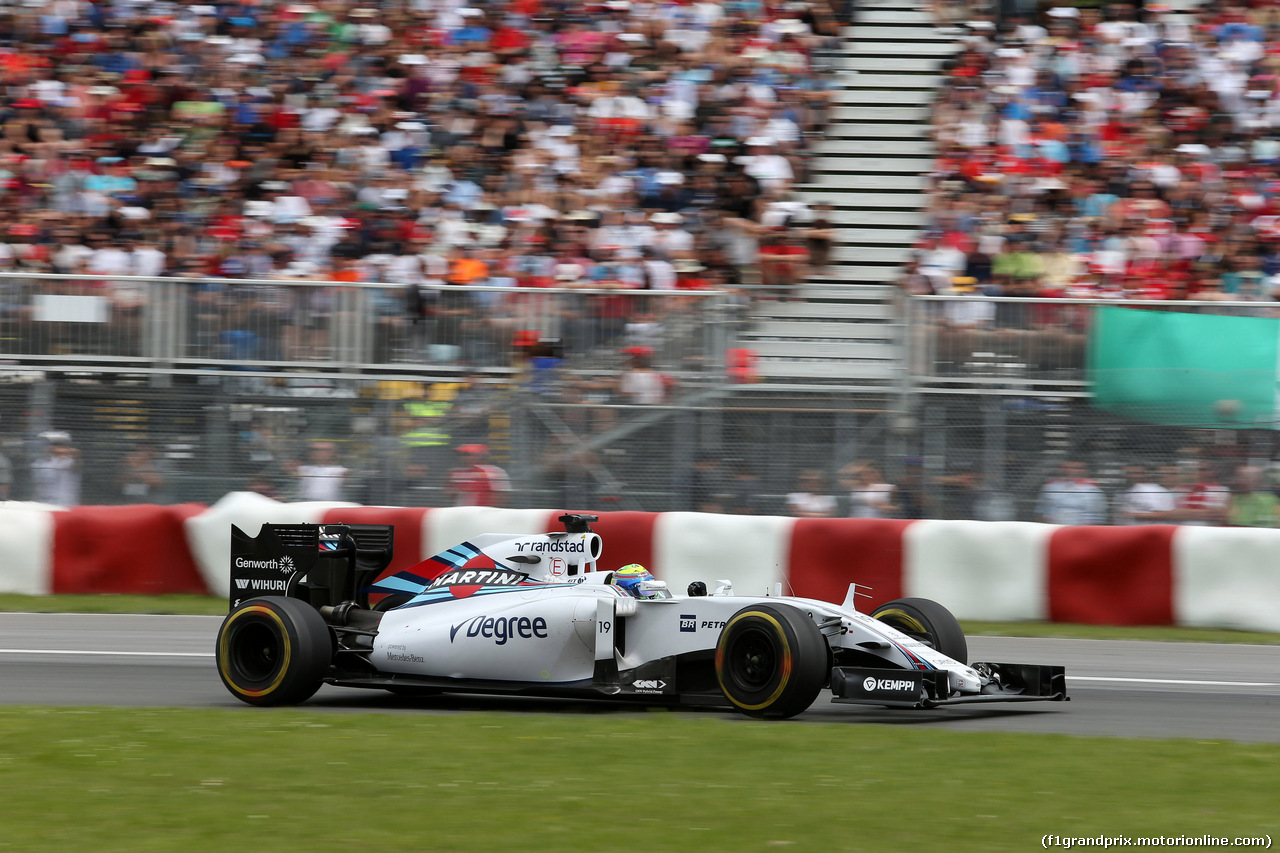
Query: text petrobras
column 480, row 577
column 500, row 629
column 689, row 623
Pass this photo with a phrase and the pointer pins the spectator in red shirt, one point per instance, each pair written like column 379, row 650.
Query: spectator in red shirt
column 477, row 483
column 784, row 259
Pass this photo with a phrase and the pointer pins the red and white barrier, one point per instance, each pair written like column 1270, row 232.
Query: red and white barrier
column 26, row 548
column 1226, row 578
column 97, row 549
column 1157, row 575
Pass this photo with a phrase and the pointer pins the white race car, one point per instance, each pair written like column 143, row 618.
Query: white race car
column 532, row 614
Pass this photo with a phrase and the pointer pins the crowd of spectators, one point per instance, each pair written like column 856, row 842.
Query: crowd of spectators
column 1107, row 152
column 1194, row 491
column 572, row 143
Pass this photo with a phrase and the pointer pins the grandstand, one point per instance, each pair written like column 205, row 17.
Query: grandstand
column 230, row 229
column 869, row 166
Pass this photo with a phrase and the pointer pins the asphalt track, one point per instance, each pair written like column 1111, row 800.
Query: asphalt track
column 1127, row 689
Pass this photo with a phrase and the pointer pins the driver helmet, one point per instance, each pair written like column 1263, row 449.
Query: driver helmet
column 629, row 577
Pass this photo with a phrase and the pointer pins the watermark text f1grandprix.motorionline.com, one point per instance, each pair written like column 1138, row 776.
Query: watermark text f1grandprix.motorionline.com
column 1066, row 842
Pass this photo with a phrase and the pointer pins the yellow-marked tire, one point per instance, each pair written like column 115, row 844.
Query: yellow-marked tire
column 273, row 651
column 771, row 661
column 928, row 621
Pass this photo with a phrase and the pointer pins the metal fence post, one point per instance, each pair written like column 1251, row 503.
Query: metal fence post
column 161, row 327
column 684, row 451
column 993, row 446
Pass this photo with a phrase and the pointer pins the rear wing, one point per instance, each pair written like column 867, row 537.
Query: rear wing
column 322, row 564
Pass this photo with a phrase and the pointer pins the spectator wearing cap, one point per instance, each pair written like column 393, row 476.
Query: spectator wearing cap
column 869, row 495
column 247, row 97
column 940, row 261
column 691, row 275
column 148, row 260
column 1017, row 271
column 810, row 499
column 770, row 168
column 1123, row 116
column 658, row 272
column 55, row 475
column 477, row 482
column 1072, row 498
column 321, row 477
column 640, row 384
column 616, row 235
column 668, row 238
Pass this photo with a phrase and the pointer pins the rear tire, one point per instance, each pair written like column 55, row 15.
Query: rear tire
column 274, row 651
column 928, row 621
column 771, row 661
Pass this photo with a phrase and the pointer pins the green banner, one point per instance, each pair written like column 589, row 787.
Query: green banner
column 1167, row 367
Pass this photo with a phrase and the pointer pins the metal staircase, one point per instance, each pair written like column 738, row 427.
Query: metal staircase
column 870, row 167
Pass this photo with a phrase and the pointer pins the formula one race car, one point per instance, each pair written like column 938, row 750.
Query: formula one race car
column 532, row 615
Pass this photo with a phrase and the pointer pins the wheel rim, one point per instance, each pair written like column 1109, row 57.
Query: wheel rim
column 255, row 651
column 753, row 659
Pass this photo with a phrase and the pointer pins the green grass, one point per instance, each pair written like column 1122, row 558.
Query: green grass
column 285, row 780
column 184, row 604
column 208, row 605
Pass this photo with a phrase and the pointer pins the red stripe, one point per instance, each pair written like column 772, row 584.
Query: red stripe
column 1111, row 575
column 628, row 537
column 828, row 554
column 125, row 550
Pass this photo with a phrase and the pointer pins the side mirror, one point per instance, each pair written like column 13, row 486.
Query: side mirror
column 697, row 589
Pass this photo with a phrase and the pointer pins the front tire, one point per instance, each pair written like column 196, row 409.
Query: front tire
column 274, row 651
column 771, row 661
column 928, row 621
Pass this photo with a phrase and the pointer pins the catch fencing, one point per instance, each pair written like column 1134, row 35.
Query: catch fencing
column 729, row 449
column 1020, row 345
column 165, row 326
column 979, row 421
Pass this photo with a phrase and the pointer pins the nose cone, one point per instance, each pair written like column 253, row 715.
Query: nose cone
column 965, row 681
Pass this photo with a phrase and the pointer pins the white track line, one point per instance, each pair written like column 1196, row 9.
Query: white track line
column 105, row 652
column 1174, row 681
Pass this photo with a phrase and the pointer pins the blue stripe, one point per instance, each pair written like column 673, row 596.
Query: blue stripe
column 398, row 584
column 920, row 663
column 463, row 552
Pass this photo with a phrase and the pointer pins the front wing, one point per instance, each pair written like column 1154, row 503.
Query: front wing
column 1010, row 682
